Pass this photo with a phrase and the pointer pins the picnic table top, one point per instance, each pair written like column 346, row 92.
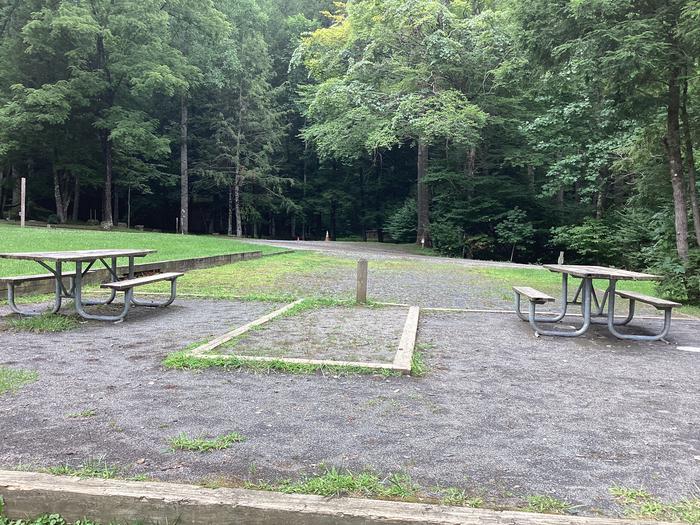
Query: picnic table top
column 75, row 255
column 601, row 272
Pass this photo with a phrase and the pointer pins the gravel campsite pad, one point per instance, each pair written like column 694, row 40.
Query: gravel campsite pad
column 500, row 413
column 333, row 333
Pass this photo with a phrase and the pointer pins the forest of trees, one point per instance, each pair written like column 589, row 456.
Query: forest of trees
column 483, row 128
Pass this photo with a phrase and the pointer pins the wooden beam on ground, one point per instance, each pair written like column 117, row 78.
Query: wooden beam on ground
column 301, row 361
column 404, row 355
column 29, row 494
column 207, row 347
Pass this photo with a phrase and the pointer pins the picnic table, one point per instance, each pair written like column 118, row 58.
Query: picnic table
column 593, row 306
column 54, row 261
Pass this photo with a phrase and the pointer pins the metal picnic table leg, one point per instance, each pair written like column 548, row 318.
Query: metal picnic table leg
column 586, row 312
column 57, row 298
column 79, row 305
column 633, row 337
column 112, row 293
column 564, row 304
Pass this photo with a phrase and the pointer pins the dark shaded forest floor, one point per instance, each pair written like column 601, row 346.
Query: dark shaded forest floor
column 500, row 414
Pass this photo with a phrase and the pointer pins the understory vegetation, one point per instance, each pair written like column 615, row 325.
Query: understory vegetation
column 499, row 129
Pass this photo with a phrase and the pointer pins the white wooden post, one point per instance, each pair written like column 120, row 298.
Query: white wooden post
column 23, row 201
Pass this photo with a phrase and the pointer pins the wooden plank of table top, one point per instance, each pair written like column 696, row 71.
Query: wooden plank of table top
column 77, row 255
column 601, row 272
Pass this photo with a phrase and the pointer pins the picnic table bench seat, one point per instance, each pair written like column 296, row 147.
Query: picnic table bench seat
column 533, row 295
column 126, row 284
column 661, row 304
column 19, row 279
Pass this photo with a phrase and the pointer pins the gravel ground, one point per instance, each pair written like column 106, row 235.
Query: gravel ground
column 335, row 333
column 500, row 412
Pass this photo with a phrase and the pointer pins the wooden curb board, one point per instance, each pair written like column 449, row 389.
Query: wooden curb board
column 30, row 494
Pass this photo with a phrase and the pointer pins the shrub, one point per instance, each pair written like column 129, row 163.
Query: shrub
column 403, row 223
column 592, row 241
column 515, row 230
column 681, row 281
column 448, row 238
column 52, row 219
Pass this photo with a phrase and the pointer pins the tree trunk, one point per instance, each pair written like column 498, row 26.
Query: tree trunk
column 128, row 207
column 115, row 207
column 531, row 178
column 229, row 229
column 58, row 198
column 690, row 163
column 363, row 205
column 14, row 203
column 423, row 193
column 106, row 145
column 470, row 172
column 76, row 198
column 600, row 197
column 333, row 218
column 237, row 207
column 293, row 227
column 2, row 193
column 184, row 174
column 239, row 170
column 672, row 144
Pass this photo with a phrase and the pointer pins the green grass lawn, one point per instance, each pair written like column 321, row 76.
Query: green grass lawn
column 169, row 246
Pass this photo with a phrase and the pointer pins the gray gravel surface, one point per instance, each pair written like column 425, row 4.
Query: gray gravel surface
column 500, row 412
column 334, row 333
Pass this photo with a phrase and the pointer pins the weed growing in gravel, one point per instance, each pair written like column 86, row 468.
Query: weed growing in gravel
column 335, row 482
column 332, row 483
column 458, row 497
column 93, row 468
column 184, row 442
column 44, row 323
column 418, row 366
column 546, row 505
column 82, row 415
column 12, row 379
column 640, row 504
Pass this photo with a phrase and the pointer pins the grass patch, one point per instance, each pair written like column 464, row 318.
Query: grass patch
column 184, row 442
column 184, row 360
column 93, row 468
column 168, row 246
column 640, row 504
column 282, row 278
column 12, row 379
column 458, row 497
column 44, row 323
column 335, row 482
column 547, row 505
column 83, row 415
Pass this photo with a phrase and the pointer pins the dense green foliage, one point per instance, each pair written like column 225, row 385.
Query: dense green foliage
column 513, row 129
